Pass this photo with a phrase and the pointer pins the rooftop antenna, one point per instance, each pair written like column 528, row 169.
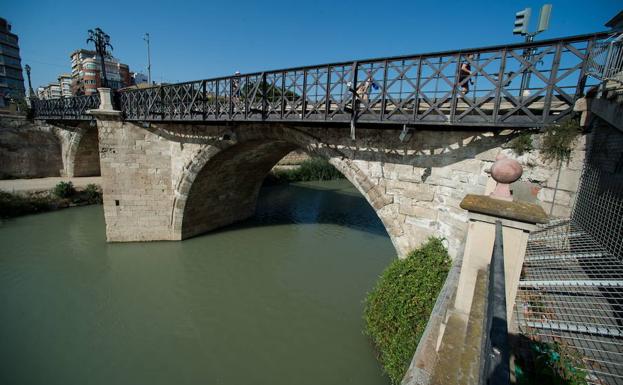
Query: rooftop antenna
column 522, row 23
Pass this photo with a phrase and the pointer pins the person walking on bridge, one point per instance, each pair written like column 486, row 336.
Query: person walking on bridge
column 365, row 88
column 464, row 73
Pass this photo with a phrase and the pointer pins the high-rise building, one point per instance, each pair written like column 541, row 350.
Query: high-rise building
column 11, row 78
column 64, row 80
column 87, row 76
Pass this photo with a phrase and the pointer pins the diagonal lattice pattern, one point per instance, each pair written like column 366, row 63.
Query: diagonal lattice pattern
column 519, row 85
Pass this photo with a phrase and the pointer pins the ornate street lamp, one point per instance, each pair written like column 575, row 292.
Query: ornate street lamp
column 31, row 92
column 102, row 42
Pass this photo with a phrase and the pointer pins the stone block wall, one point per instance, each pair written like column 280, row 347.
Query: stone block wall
column 294, row 158
column 86, row 160
column 28, row 150
column 136, row 182
column 172, row 181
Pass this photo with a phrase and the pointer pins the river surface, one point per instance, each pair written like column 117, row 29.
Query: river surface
column 274, row 300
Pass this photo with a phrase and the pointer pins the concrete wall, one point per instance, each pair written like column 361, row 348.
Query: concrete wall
column 172, row 181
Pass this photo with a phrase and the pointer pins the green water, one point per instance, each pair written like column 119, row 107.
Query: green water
column 274, row 300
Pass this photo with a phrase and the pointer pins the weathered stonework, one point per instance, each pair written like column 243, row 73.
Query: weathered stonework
column 43, row 149
column 173, row 181
column 79, row 148
column 28, row 150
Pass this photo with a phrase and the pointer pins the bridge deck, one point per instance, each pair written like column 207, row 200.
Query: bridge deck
column 520, row 85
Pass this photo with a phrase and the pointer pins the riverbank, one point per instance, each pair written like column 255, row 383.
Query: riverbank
column 37, row 196
column 45, row 184
column 312, row 169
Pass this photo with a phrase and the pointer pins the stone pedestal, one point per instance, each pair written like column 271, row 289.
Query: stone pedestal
column 518, row 219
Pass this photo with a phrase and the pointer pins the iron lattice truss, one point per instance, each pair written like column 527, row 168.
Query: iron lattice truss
column 73, row 108
column 418, row 89
column 571, row 290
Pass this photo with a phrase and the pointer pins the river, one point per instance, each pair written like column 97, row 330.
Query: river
column 274, row 300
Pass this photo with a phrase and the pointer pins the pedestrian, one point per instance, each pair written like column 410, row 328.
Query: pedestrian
column 464, row 73
column 365, row 88
column 235, row 88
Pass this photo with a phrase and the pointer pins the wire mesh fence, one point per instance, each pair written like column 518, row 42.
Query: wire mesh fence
column 571, row 289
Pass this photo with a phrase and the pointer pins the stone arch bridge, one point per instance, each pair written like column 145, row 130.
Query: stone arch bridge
column 183, row 159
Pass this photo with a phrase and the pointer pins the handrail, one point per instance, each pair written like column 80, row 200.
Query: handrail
column 465, row 51
column 605, row 61
column 512, row 85
column 496, row 353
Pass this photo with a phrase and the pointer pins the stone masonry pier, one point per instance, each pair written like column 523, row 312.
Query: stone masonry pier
column 171, row 181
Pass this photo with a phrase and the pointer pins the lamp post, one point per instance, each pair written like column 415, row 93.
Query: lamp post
column 30, row 90
column 146, row 38
column 102, row 42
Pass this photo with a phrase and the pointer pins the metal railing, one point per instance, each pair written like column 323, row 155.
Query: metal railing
column 428, row 89
column 605, row 61
column 495, row 360
column 72, row 108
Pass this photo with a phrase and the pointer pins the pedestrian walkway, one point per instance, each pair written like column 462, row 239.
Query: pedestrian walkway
column 42, row 184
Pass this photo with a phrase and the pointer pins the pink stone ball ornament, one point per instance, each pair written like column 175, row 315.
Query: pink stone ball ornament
column 505, row 171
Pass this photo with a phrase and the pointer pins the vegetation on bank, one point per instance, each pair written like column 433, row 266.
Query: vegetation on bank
column 522, row 143
column 549, row 364
column 62, row 195
column 308, row 170
column 397, row 310
column 558, row 140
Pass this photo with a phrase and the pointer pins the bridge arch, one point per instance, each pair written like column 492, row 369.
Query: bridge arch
column 81, row 153
column 221, row 184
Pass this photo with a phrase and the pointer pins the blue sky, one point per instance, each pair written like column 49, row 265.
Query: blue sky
column 202, row 39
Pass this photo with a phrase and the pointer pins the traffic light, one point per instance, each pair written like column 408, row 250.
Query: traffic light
column 522, row 20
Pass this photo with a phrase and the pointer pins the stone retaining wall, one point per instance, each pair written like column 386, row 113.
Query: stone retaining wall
column 27, row 149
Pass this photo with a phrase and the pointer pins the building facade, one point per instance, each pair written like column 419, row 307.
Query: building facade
column 64, row 81
column 87, row 76
column 51, row 91
column 11, row 77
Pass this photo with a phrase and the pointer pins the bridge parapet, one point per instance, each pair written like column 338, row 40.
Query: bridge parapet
column 73, row 108
column 518, row 85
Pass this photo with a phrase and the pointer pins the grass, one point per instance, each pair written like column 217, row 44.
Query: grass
column 308, row 170
column 397, row 310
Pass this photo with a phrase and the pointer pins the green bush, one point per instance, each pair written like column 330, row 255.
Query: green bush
column 308, row 170
column 397, row 310
column 558, row 140
column 64, row 190
column 92, row 194
column 521, row 143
